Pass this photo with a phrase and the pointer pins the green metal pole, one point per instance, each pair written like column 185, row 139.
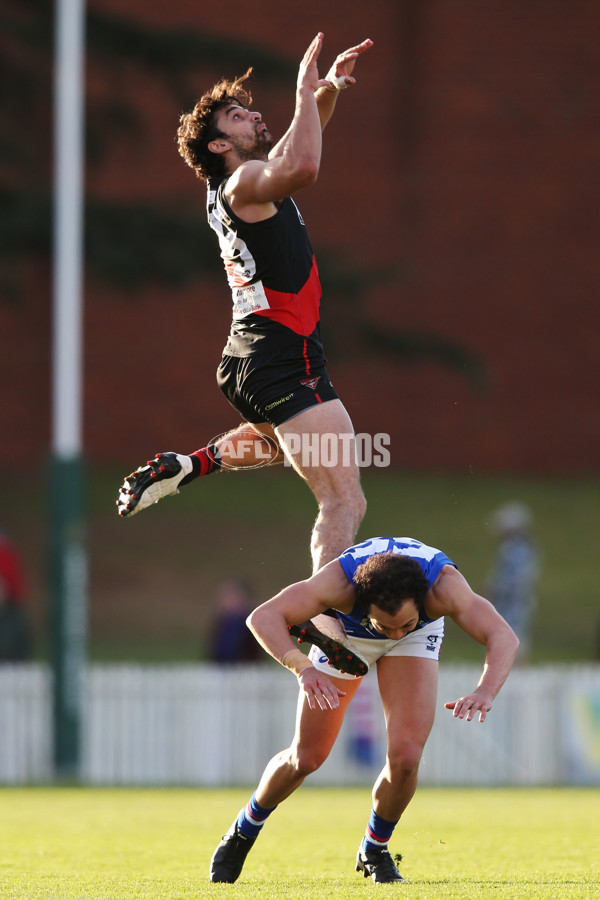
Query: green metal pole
column 68, row 582
column 68, row 566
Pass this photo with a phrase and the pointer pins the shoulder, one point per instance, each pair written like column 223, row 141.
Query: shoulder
column 247, row 180
column 449, row 592
column 246, row 171
column 245, row 192
column 333, row 585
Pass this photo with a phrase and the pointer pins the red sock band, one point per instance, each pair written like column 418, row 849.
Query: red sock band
column 209, row 459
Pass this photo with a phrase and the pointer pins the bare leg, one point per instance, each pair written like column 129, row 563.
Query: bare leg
column 246, row 446
column 336, row 487
column 408, row 687
column 335, row 484
column 316, row 732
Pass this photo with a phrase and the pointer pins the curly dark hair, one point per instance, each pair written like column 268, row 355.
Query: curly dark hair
column 386, row 580
column 196, row 128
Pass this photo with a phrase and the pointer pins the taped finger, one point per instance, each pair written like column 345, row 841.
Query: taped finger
column 336, row 81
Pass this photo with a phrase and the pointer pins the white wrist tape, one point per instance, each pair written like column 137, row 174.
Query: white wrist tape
column 337, row 81
column 296, row 662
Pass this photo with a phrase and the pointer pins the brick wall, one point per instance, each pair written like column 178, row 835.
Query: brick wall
column 462, row 169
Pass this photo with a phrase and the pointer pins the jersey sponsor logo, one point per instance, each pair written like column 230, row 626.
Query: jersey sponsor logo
column 310, row 382
column 279, row 402
column 248, row 298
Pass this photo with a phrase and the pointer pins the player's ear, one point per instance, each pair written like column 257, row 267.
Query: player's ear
column 219, row 145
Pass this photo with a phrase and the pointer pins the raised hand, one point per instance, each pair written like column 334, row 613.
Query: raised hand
column 308, row 73
column 340, row 74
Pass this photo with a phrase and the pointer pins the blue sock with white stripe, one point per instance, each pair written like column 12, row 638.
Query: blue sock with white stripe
column 378, row 832
column 252, row 817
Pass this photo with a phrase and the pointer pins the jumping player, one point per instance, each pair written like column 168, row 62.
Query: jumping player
column 391, row 596
column 273, row 368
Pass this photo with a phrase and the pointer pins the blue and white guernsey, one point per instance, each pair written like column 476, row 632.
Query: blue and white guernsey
column 431, row 561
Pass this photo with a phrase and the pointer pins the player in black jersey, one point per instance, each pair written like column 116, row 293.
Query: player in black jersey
column 273, row 368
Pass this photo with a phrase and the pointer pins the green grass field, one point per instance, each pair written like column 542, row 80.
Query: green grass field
column 105, row 844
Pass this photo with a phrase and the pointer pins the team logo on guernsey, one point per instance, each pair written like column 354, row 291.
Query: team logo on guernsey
column 310, row 382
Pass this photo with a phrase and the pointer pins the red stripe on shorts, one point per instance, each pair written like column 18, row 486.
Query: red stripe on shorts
column 305, row 355
column 306, row 360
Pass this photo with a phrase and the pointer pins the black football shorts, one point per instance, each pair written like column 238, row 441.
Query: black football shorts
column 275, row 386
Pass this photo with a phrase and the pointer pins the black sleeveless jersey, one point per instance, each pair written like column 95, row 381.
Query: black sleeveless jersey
column 272, row 273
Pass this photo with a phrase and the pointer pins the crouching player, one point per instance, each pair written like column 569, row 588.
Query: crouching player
column 389, row 596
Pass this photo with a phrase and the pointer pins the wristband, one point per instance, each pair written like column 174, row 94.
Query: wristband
column 296, row 662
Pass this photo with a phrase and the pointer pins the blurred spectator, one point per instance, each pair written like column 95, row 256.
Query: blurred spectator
column 231, row 640
column 15, row 632
column 513, row 578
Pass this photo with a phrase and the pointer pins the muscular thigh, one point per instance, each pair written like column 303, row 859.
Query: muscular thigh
column 408, row 688
column 320, row 444
column 317, row 729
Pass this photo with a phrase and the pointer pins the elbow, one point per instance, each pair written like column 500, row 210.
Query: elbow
column 307, row 172
column 256, row 621
column 251, row 621
column 512, row 643
column 517, row 643
column 311, row 171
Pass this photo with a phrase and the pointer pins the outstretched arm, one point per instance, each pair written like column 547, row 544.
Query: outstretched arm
column 337, row 79
column 452, row 596
column 294, row 162
column 257, row 184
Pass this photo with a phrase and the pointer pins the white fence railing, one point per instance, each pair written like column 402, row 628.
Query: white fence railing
column 210, row 725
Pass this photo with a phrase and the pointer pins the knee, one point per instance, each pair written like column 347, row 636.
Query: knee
column 403, row 761
column 306, row 760
column 360, row 505
column 357, row 506
column 348, row 500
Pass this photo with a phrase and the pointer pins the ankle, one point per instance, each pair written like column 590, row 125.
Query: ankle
column 205, row 461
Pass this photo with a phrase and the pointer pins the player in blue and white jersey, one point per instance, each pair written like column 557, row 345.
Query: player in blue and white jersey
column 391, row 596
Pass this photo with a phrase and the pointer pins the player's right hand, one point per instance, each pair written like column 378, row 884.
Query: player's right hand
column 308, row 73
column 319, row 689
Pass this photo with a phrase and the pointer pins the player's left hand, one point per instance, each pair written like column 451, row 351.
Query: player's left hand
column 467, row 707
column 344, row 64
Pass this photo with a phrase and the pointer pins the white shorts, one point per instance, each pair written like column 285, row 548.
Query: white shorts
column 425, row 643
